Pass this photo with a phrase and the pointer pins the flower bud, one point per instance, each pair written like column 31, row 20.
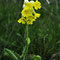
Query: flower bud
column 26, row 1
column 32, row 2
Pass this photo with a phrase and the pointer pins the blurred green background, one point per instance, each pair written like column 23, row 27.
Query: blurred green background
column 44, row 33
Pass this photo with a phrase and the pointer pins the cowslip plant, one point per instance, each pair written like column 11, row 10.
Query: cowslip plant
column 28, row 17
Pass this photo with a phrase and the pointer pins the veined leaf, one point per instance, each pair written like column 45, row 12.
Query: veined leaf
column 10, row 53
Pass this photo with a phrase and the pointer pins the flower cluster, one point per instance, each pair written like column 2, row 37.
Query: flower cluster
column 28, row 13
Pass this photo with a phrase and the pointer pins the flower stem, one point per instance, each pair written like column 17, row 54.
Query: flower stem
column 27, row 31
column 25, row 51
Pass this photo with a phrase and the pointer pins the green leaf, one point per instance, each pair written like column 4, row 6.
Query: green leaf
column 10, row 53
column 36, row 57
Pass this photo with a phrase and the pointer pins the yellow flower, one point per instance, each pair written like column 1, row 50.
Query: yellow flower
column 36, row 15
column 29, row 22
column 21, row 20
column 37, row 5
column 26, row 12
column 29, row 5
column 30, row 19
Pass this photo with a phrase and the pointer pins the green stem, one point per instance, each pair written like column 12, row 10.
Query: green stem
column 27, row 31
column 26, row 41
column 25, row 51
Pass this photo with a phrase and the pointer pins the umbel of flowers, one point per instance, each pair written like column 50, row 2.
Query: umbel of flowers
column 28, row 13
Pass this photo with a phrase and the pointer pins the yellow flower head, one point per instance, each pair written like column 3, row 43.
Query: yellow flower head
column 30, row 20
column 26, row 12
column 29, row 5
column 36, row 15
column 37, row 5
column 21, row 20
